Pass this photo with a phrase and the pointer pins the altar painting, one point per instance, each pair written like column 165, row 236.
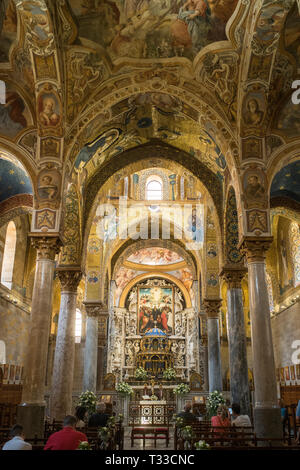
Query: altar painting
column 156, row 309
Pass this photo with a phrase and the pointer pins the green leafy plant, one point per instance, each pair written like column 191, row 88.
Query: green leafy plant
column 88, row 400
column 169, row 374
column 124, row 388
column 84, row 445
column 181, row 389
column 202, row 445
column 140, row 374
column 187, row 434
column 213, row 401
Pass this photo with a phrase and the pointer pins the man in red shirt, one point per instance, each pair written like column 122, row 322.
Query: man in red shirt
column 66, row 439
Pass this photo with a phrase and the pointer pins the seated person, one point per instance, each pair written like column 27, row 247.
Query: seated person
column 99, row 418
column 187, row 416
column 237, row 418
column 66, row 439
column 221, row 420
column 17, row 442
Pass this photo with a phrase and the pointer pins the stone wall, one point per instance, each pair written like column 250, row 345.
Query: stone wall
column 14, row 330
column 286, row 330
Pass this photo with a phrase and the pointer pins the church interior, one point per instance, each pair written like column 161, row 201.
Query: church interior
column 150, row 211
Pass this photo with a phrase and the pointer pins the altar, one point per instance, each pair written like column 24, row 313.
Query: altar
column 154, row 412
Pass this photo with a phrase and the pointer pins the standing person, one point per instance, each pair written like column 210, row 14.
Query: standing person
column 238, row 419
column 66, row 439
column 221, row 420
column 17, row 442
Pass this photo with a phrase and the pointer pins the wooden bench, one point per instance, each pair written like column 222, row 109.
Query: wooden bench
column 150, row 432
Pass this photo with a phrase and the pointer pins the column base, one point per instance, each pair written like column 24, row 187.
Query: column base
column 32, row 418
column 267, row 423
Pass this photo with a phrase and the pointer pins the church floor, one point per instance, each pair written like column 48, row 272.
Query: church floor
column 149, row 443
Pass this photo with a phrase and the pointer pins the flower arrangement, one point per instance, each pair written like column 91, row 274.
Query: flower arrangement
column 104, row 434
column 153, row 398
column 120, row 418
column 188, row 435
column 178, row 421
column 88, row 400
column 140, row 373
column 169, row 374
column 124, row 388
column 181, row 389
column 84, row 445
column 214, row 400
column 202, row 445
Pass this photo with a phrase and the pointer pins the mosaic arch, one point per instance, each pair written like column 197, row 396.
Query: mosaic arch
column 130, row 247
column 163, row 152
column 145, row 116
column 106, row 105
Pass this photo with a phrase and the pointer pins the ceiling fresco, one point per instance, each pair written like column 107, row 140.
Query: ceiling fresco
column 147, row 29
column 14, row 114
column 8, row 28
column 13, row 178
column 286, row 183
column 155, row 256
column 292, row 34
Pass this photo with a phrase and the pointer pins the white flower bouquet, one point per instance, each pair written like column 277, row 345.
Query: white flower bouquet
column 213, row 401
column 181, row 389
column 88, row 400
column 124, row 388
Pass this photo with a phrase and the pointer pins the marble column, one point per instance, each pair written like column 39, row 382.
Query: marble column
column 31, row 412
column 212, row 307
column 93, row 311
column 238, row 365
column 267, row 421
column 63, row 368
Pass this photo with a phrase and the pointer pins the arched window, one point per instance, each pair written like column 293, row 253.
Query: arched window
column 154, row 189
column 295, row 246
column 9, row 255
column 78, row 326
column 2, row 352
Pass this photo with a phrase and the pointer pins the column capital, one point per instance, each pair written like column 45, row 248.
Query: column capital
column 255, row 248
column 47, row 246
column 212, row 307
column 233, row 275
column 69, row 277
column 95, row 308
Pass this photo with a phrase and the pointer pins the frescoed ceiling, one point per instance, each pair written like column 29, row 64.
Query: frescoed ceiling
column 148, row 29
column 13, row 178
column 286, row 183
column 154, row 256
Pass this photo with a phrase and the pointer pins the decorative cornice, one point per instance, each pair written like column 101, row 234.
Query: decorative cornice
column 212, row 307
column 255, row 248
column 95, row 308
column 69, row 278
column 47, row 246
column 233, row 276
